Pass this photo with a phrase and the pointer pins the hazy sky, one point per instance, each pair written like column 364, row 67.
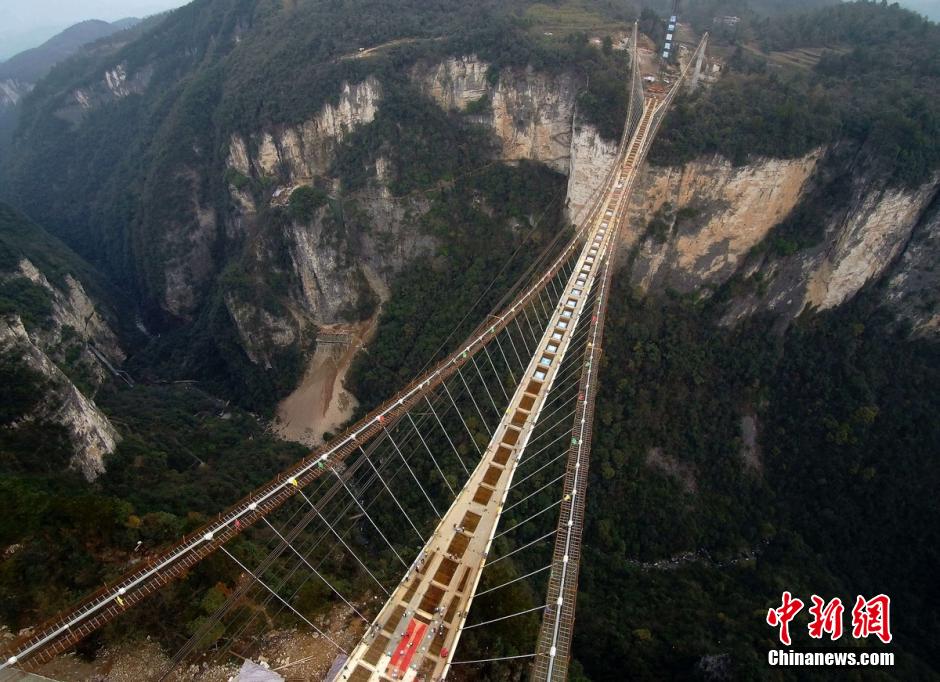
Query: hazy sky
column 929, row 7
column 27, row 23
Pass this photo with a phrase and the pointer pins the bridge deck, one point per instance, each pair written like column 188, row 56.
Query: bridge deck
column 417, row 631
column 551, row 662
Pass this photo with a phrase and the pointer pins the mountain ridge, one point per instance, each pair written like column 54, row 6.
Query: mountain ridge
column 30, row 65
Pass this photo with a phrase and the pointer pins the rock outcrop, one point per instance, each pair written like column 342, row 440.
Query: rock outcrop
column 692, row 228
column 113, row 84
column 73, row 310
column 913, row 288
column 731, row 211
column 12, row 91
column 70, row 340
column 300, row 153
column 531, row 114
column 93, row 437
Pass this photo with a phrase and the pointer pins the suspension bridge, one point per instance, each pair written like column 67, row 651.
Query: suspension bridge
column 481, row 462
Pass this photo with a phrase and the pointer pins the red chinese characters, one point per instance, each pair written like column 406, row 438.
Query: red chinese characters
column 782, row 616
column 827, row 618
column 872, row 617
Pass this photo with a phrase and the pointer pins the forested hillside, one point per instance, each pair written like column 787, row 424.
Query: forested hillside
column 175, row 449
column 20, row 73
column 731, row 465
column 877, row 84
column 237, row 85
column 123, row 152
column 31, row 65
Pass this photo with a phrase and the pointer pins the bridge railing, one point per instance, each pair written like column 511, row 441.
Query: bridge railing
column 59, row 633
column 635, row 107
column 554, row 644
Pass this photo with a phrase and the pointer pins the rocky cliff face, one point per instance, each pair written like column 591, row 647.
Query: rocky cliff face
column 692, row 228
column 730, row 210
column 860, row 245
column 532, row 115
column 301, row 153
column 591, row 158
column 912, row 289
column 12, row 91
column 318, row 253
column 72, row 335
column 114, row 84
column 92, row 435
column 73, row 311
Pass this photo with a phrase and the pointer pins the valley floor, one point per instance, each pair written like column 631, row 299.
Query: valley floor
column 321, row 402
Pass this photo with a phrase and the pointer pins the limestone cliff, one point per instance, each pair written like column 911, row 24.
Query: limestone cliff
column 532, row 115
column 301, row 153
column 913, row 288
column 112, row 84
column 731, row 210
column 92, row 435
column 691, row 229
column 860, row 245
column 75, row 336
column 73, row 311
column 12, row 91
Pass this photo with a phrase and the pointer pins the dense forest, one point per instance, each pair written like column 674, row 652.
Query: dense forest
column 731, row 465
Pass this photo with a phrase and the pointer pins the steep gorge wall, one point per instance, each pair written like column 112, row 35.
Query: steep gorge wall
column 913, row 288
column 62, row 339
column 729, row 211
column 735, row 209
column 301, row 153
column 860, row 245
column 531, row 114
column 92, row 435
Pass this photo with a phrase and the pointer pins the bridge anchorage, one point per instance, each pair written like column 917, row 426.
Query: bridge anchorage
column 500, row 428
